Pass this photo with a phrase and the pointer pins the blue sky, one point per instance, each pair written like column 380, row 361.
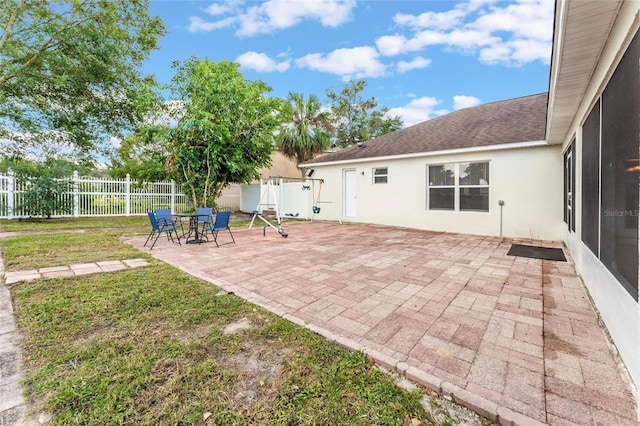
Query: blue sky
column 420, row 58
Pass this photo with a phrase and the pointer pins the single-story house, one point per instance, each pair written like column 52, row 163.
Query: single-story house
column 562, row 165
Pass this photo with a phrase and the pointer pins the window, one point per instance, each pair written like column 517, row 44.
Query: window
column 380, row 175
column 442, row 187
column 474, row 186
column 619, row 150
column 458, row 187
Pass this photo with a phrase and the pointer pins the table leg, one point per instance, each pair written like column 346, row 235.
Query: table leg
column 193, row 229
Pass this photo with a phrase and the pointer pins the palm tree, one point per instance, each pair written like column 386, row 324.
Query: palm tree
column 309, row 131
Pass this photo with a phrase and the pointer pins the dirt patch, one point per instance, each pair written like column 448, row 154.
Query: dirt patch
column 242, row 324
column 260, row 371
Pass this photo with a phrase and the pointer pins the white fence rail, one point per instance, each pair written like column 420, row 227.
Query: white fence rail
column 89, row 196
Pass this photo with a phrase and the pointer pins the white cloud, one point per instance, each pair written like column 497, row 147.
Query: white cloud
column 417, row 111
column 515, row 52
column 221, row 8
column 514, row 35
column 358, row 62
column 261, row 62
column 433, row 20
column 463, row 39
column 197, row 24
column 276, row 15
column 525, row 19
column 442, row 20
column 417, row 63
column 391, row 45
column 462, row 101
column 470, row 39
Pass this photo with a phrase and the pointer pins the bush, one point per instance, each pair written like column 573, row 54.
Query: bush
column 45, row 196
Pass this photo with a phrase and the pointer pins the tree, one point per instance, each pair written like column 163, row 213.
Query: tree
column 308, row 132
column 357, row 119
column 56, row 166
column 69, row 69
column 225, row 130
column 142, row 155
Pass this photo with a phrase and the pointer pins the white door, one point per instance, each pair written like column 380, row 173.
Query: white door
column 349, row 193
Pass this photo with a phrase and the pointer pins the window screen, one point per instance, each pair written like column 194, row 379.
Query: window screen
column 619, row 178
column 474, row 186
column 442, row 187
column 591, row 180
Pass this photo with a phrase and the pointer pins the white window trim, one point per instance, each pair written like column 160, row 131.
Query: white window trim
column 374, row 176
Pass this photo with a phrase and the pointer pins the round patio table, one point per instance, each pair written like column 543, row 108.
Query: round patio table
column 194, row 236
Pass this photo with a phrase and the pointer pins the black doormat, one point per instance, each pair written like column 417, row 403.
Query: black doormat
column 533, row 252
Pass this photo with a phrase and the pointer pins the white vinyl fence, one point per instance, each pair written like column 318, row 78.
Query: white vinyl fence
column 88, row 196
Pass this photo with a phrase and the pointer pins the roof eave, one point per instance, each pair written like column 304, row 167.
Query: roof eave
column 500, row 147
column 581, row 30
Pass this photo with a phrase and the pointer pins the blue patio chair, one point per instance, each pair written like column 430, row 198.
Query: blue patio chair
column 205, row 218
column 221, row 223
column 158, row 228
column 164, row 217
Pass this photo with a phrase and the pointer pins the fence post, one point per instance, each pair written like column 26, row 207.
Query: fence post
column 173, row 196
column 76, row 195
column 127, row 197
column 11, row 184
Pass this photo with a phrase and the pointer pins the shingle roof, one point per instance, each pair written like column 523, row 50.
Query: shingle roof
column 514, row 120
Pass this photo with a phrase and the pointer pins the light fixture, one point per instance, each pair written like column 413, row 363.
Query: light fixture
column 309, row 173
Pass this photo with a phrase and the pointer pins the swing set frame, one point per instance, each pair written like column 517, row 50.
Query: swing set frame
column 270, row 189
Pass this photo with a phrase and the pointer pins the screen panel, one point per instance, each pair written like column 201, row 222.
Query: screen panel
column 620, row 153
column 591, row 180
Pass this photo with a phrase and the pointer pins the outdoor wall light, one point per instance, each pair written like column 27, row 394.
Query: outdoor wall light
column 309, row 172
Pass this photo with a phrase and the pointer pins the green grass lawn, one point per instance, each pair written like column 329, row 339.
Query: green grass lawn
column 123, row 223
column 56, row 224
column 34, row 251
column 148, row 346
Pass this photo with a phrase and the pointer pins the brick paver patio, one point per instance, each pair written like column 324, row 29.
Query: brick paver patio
column 513, row 338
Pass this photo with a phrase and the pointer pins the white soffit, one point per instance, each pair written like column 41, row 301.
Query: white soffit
column 580, row 34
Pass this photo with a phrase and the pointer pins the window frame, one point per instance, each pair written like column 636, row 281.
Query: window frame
column 374, row 176
column 458, row 186
column 445, row 186
column 478, row 185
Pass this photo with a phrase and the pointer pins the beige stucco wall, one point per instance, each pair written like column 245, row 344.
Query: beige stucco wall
column 280, row 166
column 528, row 180
column 619, row 311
